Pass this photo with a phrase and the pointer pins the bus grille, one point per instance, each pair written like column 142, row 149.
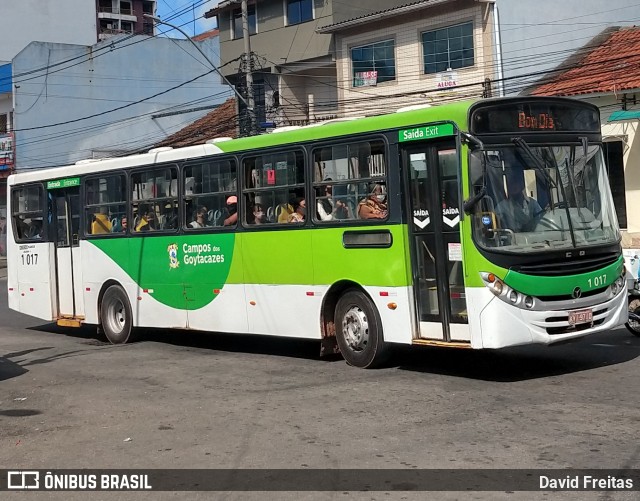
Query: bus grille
column 568, row 267
column 569, row 296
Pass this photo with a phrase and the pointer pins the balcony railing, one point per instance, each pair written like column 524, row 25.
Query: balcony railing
column 116, row 10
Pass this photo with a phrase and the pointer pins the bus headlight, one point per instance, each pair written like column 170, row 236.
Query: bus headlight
column 494, row 284
column 506, row 293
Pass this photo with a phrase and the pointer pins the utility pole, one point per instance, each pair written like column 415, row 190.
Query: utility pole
column 248, row 67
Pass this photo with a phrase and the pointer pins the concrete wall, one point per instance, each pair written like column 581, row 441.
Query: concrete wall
column 101, row 80
column 23, row 21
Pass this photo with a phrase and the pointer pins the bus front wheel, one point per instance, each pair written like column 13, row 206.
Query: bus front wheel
column 359, row 331
column 115, row 315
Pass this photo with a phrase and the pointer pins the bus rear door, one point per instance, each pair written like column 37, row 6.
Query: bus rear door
column 65, row 232
column 433, row 170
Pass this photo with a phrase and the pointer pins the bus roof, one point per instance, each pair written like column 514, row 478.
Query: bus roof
column 453, row 112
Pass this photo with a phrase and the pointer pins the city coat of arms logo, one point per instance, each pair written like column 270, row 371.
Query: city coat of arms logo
column 173, row 256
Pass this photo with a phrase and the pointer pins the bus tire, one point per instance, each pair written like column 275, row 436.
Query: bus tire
column 359, row 331
column 115, row 315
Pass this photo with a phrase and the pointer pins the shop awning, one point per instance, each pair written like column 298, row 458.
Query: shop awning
column 620, row 115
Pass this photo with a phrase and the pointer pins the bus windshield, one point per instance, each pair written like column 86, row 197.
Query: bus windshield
column 542, row 197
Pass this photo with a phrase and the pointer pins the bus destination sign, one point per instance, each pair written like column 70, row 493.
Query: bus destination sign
column 63, row 183
column 428, row 132
column 542, row 121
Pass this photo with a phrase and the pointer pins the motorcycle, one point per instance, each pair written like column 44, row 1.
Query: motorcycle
column 633, row 324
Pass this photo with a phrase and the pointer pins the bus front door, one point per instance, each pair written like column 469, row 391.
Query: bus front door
column 66, row 228
column 435, row 236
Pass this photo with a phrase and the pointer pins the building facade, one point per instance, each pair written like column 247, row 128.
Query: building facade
column 117, row 17
column 317, row 59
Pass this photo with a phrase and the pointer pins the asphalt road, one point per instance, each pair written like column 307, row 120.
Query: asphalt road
column 192, row 400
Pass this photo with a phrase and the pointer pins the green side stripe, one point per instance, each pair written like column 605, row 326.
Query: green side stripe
column 184, row 271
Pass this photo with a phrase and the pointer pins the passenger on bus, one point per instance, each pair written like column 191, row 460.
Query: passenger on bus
column 326, row 206
column 120, row 226
column 201, row 218
column 258, row 214
column 375, row 205
column 100, row 223
column 518, row 211
column 299, row 211
column 232, row 210
column 169, row 217
column 342, row 211
column 147, row 222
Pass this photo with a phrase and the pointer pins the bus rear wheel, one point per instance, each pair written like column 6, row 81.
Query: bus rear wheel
column 115, row 315
column 359, row 331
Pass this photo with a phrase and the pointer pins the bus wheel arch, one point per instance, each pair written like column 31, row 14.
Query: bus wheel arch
column 351, row 320
column 115, row 313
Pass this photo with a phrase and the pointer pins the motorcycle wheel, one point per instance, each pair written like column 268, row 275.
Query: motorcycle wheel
column 632, row 325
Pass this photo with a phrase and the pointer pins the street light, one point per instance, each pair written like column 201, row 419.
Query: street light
column 244, row 101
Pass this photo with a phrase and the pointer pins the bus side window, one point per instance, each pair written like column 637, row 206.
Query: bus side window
column 28, row 212
column 272, row 181
column 208, row 187
column 105, row 203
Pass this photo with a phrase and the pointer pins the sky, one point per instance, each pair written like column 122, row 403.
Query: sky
column 188, row 14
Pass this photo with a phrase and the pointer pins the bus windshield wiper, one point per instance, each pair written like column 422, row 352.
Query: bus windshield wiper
column 522, row 144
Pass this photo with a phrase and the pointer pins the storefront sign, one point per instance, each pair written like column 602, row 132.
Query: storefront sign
column 6, row 151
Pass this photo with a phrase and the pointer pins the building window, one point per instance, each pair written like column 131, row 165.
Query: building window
column 448, row 48
column 374, row 63
column 299, row 11
column 236, row 21
column 125, row 8
column 4, row 124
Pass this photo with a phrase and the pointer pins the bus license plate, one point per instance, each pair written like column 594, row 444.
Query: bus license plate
column 581, row 317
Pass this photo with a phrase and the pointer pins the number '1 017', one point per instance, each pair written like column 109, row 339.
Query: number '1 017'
column 29, row 259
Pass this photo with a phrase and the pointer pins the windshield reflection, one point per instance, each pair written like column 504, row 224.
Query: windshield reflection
column 542, row 198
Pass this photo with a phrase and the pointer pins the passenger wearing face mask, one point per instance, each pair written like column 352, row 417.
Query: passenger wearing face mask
column 232, row 209
column 299, row 211
column 258, row 214
column 375, row 205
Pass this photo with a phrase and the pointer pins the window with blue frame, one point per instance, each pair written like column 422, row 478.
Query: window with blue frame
column 377, row 57
column 299, row 11
column 448, row 48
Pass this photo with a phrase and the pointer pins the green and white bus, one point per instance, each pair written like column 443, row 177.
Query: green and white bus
column 477, row 225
